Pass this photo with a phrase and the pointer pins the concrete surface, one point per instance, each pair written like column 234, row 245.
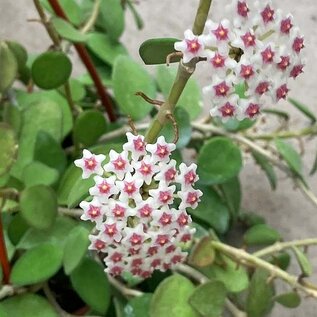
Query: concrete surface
column 286, row 208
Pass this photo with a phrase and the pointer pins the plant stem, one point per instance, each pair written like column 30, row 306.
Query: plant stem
column 241, row 256
column 184, row 73
column 84, row 56
column 279, row 246
column 125, row 291
column 202, row 279
column 5, row 264
column 92, row 19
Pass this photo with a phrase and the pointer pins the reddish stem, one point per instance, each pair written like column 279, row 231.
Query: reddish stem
column 84, row 56
column 4, row 256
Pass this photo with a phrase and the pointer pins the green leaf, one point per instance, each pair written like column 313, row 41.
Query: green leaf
column 212, row 210
column 88, row 127
column 260, row 296
column 39, row 206
column 8, row 66
column 184, row 128
column 202, row 254
column 261, row 234
column 17, row 228
column 51, row 69
column 129, row 78
column 112, row 18
column 77, row 90
column 231, row 191
column 37, row 173
column 314, row 168
column 250, row 219
column 67, row 31
column 138, row 306
column 76, row 246
column 209, row 299
column 219, row 160
column 303, row 109
column 27, row 305
column 19, row 52
column 235, row 278
column 303, row 262
column 289, row 300
column 282, row 114
column 235, row 125
column 289, row 154
column 155, row 51
column 37, row 265
column 267, row 168
column 49, row 152
column 72, row 9
column 12, row 116
column 57, row 234
column 91, row 284
column 102, row 46
column 282, row 260
column 39, row 116
column 190, row 99
column 8, row 148
column 79, row 191
column 137, row 18
column 171, row 298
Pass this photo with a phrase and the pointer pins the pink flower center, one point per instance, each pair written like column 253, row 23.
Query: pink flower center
column 171, row 248
column 186, row 237
column 221, row 89
column 296, row 71
column 155, row 263
column 176, row 259
column 152, row 251
column 162, row 239
column 262, row 88
column 129, row 188
column 242, row 9
column 135, row 239
column 104, row 187
column 91, row 163
column 218, row 61
column 165, row 197
column 145, row 169
column 139, row 145
column 170, row 174
column 110, row 230
column 116, row 270
column 165, row 219
column 145, row 211
column 282, row 92
column 267, row 55
column 94, row 211
column 99, row 245
column 298, row 44
column 253, row 110
column 246, row 71
column 248, row 39
column 119, row 164
column 286, row 25
column 116, row 257
column 162, row 151
column 267, row 14
column 118, row 211
column 190, row 178
column 193, row 46
column 182, row 220
column 136, row 262
column 221, row 33
column 284, row 63
column 192, row 198
column 226, row 110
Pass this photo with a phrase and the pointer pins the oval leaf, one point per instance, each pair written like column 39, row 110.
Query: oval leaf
column 209, row 299
column 261, row 234
column 37, row 265
column 303, row 109
column 8, row 148
column 218, row 161
column 51, row 70
column 202, row 254
column 91, row 284
column 39, row 206
column 138, row 306
column 289, row 300
column 129, row 78
column 155, row 51
column 303, row 262
column 8, row 66
column 20, row 54
column 76, row 246
column 27, row 305
column 171, row 298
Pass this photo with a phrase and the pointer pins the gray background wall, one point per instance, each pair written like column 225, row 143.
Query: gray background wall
column 286, row 208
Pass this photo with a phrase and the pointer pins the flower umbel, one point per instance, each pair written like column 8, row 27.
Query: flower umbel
column 255, row 47
column 139, row 207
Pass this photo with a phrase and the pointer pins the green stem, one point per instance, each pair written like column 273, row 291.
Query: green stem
column 184, row 73
column 280, row 246
column 241, row 256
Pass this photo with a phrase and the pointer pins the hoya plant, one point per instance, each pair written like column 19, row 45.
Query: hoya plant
column 120, row 193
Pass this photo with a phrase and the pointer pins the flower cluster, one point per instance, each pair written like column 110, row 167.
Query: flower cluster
column 257, row 48
column 138, row 205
